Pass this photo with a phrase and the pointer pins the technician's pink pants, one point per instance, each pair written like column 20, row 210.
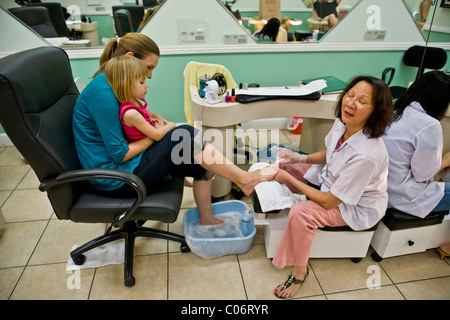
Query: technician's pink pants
column 304, row 218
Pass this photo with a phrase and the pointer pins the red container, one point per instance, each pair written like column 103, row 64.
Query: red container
column 295, row 124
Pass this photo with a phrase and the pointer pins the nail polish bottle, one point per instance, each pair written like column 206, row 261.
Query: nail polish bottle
column 233, row 95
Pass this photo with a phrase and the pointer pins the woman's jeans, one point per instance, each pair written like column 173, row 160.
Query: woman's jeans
column 172, row 156
column 444, row 204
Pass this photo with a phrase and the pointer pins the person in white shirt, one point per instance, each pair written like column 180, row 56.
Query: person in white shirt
column 415, row 145
column 351, row 173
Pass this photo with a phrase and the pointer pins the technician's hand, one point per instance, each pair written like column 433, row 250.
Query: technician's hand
column 282, row 176
column 286, row 156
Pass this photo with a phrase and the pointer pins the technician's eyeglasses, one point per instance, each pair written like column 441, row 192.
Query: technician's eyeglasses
column 359, row 102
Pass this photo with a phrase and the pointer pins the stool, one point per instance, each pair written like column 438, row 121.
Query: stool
column 316, row 24
column 329, row 242
column 400, row 233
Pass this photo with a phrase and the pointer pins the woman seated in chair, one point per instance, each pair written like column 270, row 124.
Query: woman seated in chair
column 269, row 31
column 415, row 142
column 100, row 142
column 351, row 172
column 326, row 9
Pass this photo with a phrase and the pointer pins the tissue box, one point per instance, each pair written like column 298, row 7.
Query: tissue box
column 211, row 242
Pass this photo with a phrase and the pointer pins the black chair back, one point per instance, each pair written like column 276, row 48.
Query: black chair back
column 122, row 22
column 434, row 58
column 36, row 113
column 37, row 18
column 136, row 14
column 57, row 17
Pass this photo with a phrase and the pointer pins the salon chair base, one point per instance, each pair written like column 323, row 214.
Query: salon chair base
column 329, row 242
column 400, row 233
column 129, row 232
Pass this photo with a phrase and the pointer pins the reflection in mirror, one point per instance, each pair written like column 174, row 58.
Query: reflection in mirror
column 297, row 19
column 195, row 23
column 22, row 38
column 376, row 21
column 427, row 13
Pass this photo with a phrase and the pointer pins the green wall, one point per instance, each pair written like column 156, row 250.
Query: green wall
column 166, row 89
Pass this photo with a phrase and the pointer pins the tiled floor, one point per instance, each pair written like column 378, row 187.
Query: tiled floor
column 35, row 246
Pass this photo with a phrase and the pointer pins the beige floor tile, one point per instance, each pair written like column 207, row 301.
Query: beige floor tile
column 59, row 238
column 17, row 242
column 3, row 196
column 27, row 205
column 52, row 282
column 10, row 176
column 144, row 245
column 178, row 228
column 150, row 273
column 416, row 266
column 261, row 277
column 30, row 181
column 336, row 275
column 389, row 292
column 188, row 198
column 11, row 157
column 194, row 278
column 432, row 289
column 8, row 280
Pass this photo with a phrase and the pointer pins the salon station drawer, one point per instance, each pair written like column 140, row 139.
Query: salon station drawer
column 388, row 243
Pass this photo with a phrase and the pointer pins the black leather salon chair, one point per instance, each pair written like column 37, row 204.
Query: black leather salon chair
column 36, row 113
column 122, row 22
column 57, row 17
column 434, row 58
column 37, row 18
column 136, row 15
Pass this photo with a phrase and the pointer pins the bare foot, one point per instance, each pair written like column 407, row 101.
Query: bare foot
column 210, row 221
column 265, row 174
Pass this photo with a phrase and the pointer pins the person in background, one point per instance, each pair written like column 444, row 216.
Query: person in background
column 415, row 143
column 343, row 11
column 326, row 9
column 269, row 31
column 351, row 173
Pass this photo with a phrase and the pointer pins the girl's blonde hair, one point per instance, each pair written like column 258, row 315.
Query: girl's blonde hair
column 122, row 73
column 139, row 44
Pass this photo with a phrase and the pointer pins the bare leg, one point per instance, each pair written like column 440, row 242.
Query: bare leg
column 332, row 20
column 212, row 160
column 202, row 196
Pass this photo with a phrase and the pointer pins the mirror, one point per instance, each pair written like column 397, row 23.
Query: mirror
column 295, row 12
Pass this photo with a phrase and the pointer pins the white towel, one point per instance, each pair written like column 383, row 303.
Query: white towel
column 311, row 87
column 110, row 253
column 273, row 195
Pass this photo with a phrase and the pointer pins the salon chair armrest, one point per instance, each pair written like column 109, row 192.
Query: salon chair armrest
column 108, row 174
